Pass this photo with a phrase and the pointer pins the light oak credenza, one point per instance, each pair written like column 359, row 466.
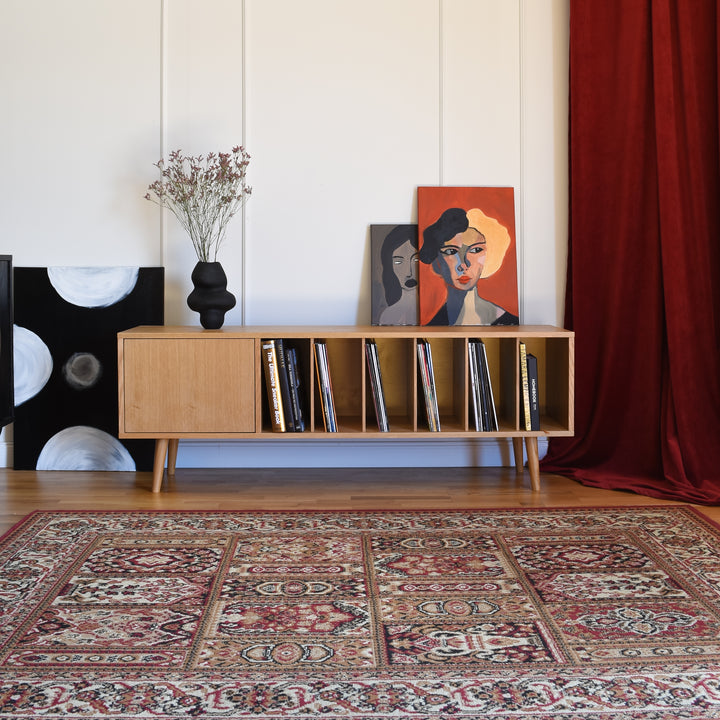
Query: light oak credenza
column 187, row 382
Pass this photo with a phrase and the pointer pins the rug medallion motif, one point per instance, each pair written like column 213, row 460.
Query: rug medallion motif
column 516, row 613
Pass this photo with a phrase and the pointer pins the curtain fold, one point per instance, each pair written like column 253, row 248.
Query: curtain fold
column 643, row 293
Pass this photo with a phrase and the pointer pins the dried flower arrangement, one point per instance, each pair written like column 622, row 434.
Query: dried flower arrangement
column 203, row 192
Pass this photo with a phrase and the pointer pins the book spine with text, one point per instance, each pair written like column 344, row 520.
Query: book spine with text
column 272, row 381
column 294, row 379
column 524, row 389
column 284, row 380
column 533, row 393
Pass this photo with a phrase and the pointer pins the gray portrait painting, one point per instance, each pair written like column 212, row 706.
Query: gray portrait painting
column 394, row 260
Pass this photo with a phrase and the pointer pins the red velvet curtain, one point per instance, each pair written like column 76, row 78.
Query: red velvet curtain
column 643, row 290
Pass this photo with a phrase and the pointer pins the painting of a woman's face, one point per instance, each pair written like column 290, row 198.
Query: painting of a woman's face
column 405, row 263
column 461, row 259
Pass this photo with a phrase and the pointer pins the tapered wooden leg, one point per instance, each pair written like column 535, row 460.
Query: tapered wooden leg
column 161, row 448
column 531, row 445
column 172, row 455
column 518, row 453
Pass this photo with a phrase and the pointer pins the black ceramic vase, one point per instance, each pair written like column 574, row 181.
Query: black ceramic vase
column 210, row 296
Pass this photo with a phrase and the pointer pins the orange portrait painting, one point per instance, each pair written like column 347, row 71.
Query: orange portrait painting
column 468, row 260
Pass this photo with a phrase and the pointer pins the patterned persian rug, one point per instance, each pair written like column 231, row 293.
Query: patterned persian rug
column 568, row 614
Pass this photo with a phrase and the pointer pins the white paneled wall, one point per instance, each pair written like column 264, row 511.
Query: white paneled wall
column 79, row 86
column 203, row 111
column 480, row 86
column 342, row 120
column 345, row 106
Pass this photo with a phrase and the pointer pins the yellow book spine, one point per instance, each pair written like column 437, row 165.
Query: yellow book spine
column 272, row 380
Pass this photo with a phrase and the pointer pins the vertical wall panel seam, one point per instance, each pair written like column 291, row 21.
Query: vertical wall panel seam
column 163, row 115
column 243, row 122
column 520, row 230
column 441, row 87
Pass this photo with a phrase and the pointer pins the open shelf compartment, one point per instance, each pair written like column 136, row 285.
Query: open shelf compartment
column 500, row 353
column 345, row 363
column 449, row 368
column 555, row 382
column 398, row 372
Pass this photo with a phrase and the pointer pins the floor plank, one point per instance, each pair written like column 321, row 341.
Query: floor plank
column 21, row 492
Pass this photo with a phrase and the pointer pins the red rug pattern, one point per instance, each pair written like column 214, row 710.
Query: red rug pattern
column 516, row 613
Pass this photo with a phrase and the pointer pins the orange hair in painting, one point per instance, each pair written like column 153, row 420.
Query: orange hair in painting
column 497, row 239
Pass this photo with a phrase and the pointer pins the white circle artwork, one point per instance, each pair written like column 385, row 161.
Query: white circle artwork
column 82, row 371
column 93, row 286
column 84, row 448
column 32, row 362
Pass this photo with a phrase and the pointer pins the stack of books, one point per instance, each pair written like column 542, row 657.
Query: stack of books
column 282, row 379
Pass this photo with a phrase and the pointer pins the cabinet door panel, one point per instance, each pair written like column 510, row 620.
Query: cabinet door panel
column 189, row 385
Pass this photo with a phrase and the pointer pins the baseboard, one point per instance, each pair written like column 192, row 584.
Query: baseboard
column 6, row 455
column 490, row 452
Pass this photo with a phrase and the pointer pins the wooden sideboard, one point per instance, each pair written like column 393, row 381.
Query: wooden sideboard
column 187, row 382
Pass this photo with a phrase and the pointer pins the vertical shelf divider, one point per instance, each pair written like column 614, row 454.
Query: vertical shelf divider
column 363, row 387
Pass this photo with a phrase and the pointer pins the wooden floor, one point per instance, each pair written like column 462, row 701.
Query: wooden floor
column 21, row 492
